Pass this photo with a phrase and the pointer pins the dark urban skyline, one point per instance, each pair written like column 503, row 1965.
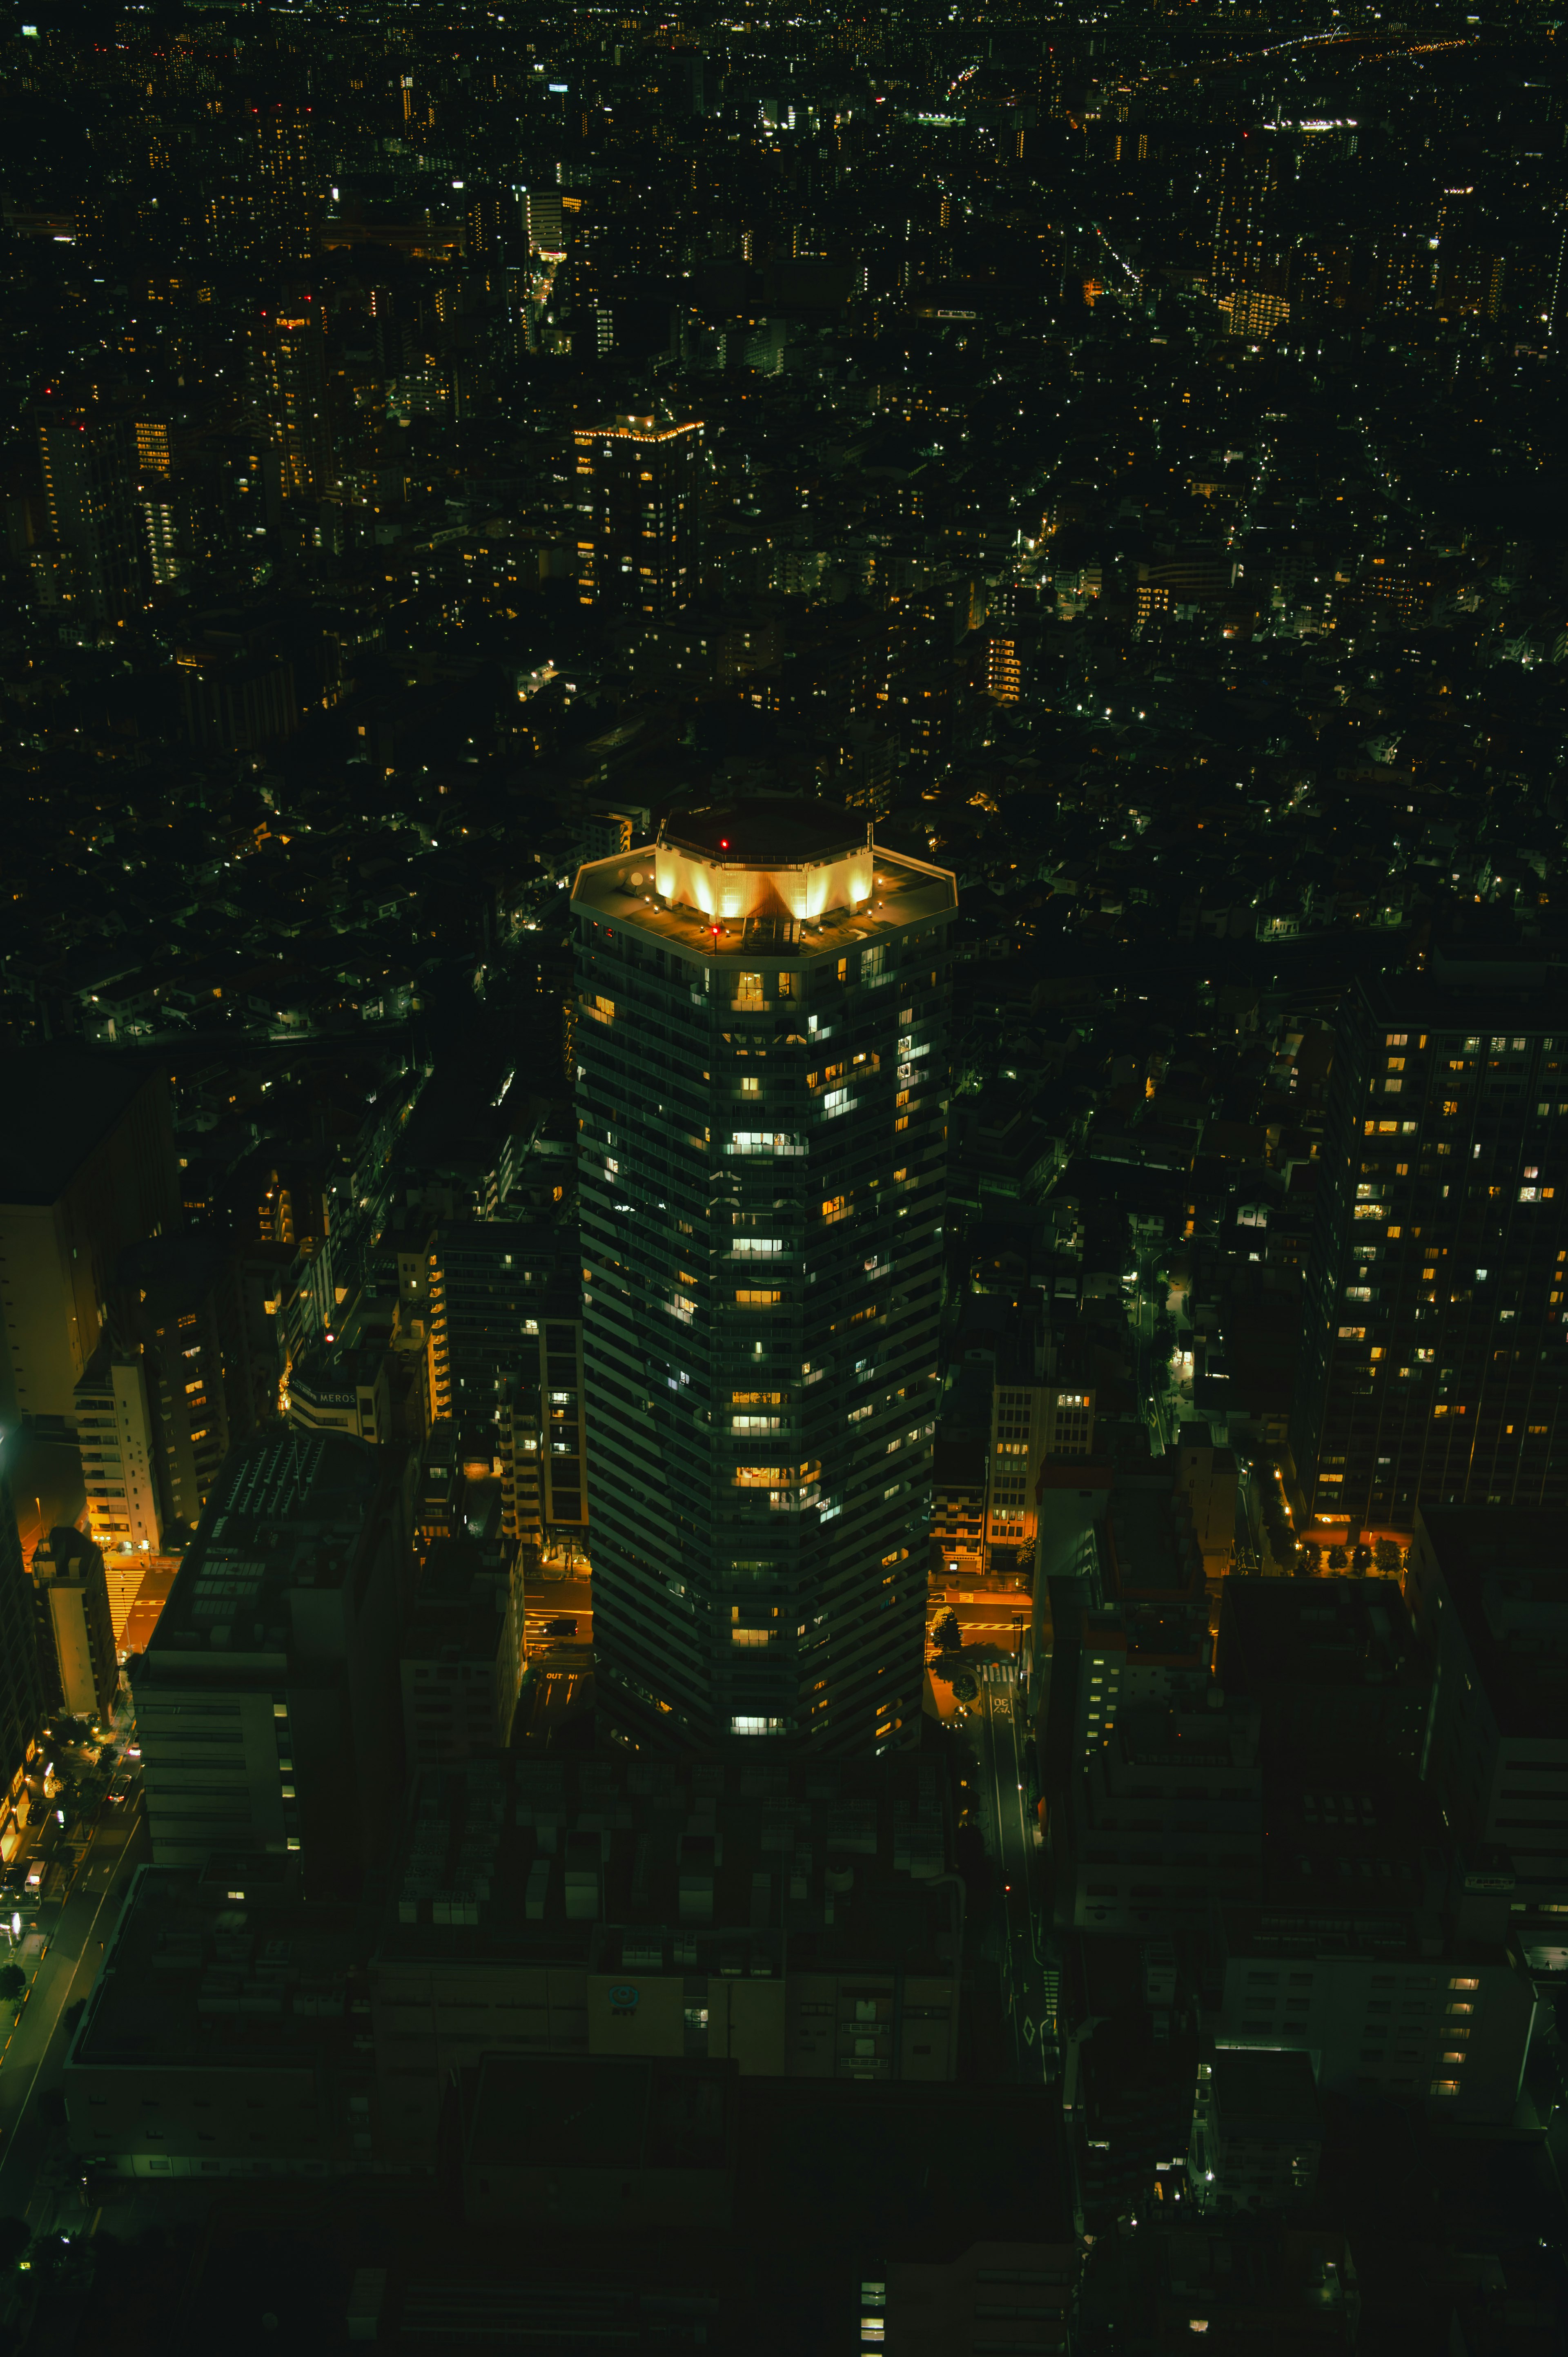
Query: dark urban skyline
column 783, row 995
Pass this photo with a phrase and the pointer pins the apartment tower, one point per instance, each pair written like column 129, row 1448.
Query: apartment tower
column 1433, row 1359
column 761, row 1072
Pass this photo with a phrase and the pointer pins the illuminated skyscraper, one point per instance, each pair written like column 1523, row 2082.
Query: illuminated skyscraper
column 1246, row 226
column 1433, row 1362
column 288, row 388
column 286, row 194
column 638, row 488
column 99, row 558
column 762, row 1067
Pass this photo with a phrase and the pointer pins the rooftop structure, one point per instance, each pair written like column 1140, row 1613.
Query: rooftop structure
column 220, row 2038
column 1257, row 2131
column 1336, row 1667
column 799, row 1923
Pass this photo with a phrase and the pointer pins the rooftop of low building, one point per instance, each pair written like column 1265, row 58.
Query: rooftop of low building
column 289, row 1513
column 223, row 1963
column 659, row 1868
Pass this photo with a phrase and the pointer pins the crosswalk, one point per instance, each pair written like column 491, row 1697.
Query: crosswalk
column 974, row 1627
column 1050, row 1984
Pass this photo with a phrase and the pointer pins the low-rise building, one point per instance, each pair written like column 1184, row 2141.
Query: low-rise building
column 1205, row 1477
column 1129, row 2038
column 1257, row 2132
column 958, row 1508
column 225, row 2034
column 998, row 2296
column 796, row 1922
column 651, row 2142
column 1166, row 1818
column 461, row 1656
column 1389, row 1964
column 1249, row 2284
column 1335, row 1667
column 345, row 1391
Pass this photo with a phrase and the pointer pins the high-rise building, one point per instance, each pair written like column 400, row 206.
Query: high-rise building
column 100, row 556
column 1246, row 216
column 545, row 222
column 762, row 1066
column 543, row 1474
column 288, row 390
column 21, row 1683
column 257, row 1277
column 267, row 1701
column 505, row 1348
column 117, row 1436
column 284, row 188
column 76, row 1635
column 1433, row 1363
column 1488, row 1592
column 638, row 517
column 89, row 1168
column 170, row 1292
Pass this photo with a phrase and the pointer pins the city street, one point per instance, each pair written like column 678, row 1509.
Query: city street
column 999, row 1724
column 549, row 1600
column 560, row 1669
column 986, row 1616
column 35, row 2179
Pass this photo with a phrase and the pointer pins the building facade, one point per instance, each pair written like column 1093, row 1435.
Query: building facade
column 639, row 490
column 89, row 1169
column 1433, row 1362
column 1488, row 1594
column 21, row 1681
column 118, row 1439
column 505, row 1348
column 761, row 1059
column 267, row 1701
column 76, row 1634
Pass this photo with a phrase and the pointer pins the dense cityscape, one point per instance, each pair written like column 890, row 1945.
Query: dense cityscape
column 772, row 1575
